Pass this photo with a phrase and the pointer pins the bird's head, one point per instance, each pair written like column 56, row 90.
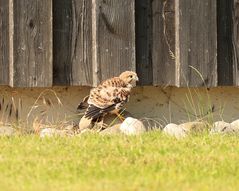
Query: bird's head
column 129, row 77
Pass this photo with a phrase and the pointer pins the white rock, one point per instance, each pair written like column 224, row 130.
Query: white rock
column 114, row 130
column 109, row 120
column 175, row 130
column 7, row 131
column 132, row 126
column 85, row 131
column 221, row 127
column 235, row 126
column 194, row 127
column 51, row 132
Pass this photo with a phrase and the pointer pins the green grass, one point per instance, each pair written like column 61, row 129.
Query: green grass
column 152, row 161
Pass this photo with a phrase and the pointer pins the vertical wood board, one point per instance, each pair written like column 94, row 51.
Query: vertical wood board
column 235, row 40
column 163, row 42
column 115, row 37
column 196, row 41
column 32, row 43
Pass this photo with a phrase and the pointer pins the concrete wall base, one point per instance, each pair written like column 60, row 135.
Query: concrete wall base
column 165, row 105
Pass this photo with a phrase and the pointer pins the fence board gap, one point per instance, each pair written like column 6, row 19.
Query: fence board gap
column 225, row 45
column 143, row 27
column 4, row 42
column 72, row 42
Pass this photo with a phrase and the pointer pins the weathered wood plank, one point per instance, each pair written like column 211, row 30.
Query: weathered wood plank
column 32, row 43
column 72, row 42
column 224, row 42
column 4, row 42
column 163, row 42
column 115, row 37
column 235, row 38
column 196, row 42
column 143, row 27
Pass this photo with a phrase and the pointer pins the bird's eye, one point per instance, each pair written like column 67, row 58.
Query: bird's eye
column 131, row 76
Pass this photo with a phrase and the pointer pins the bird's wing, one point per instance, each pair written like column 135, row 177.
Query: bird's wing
column 109, row 95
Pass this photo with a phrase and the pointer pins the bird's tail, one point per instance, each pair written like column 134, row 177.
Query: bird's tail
column 84, row 104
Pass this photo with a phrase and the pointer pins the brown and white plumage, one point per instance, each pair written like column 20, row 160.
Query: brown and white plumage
column 109, row 96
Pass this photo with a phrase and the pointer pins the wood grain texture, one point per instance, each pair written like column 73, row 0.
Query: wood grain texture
column 72, row 42
column 235, row 40
column 163, row 42
column 32, row 46
column 115, row 37
column 224, row 42
column 4, row 42
column 143, row 29
column 196, row 42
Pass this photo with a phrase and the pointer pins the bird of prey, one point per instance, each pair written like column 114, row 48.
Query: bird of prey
column 108, row 97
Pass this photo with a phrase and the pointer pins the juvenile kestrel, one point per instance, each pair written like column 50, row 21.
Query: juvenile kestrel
column 109, row 96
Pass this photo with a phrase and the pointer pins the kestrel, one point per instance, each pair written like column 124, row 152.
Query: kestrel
column 109, row 96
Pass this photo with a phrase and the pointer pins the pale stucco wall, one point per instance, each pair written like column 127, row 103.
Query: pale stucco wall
column 166, row 105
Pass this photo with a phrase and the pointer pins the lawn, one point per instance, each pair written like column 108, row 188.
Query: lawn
column 152, row 161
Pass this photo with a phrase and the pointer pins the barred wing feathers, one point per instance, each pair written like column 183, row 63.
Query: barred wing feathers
column 109, row 96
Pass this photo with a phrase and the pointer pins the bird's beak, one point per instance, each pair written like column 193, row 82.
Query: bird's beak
column 136, row 78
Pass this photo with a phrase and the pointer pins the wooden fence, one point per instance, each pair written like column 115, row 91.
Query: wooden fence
column 81, row 42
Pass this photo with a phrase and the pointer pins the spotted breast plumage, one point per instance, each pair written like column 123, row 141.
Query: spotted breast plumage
column 109, row 96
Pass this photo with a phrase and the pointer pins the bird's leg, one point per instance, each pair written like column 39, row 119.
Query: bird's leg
column 120, row 116
column 101, row 124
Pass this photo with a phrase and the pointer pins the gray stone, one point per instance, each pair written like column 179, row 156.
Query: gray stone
column 221, row 127
column 235, row 126
column 113, row 130
column 175, row 131
column 112, row 119
column 132, row 126
column 194, row 127
column 51, row 132
column 7, row 130
column 152, row 124
column 109, row 120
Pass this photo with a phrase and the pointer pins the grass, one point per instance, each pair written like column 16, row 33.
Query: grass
column 198, row 105
column 152, row 161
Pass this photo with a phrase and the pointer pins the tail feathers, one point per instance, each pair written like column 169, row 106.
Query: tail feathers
column 95, row 112
column 83, row 104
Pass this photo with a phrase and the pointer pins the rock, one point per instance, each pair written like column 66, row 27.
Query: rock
column 235, row 123
column 175, row 130
column 7, row 130
column 235, row 126
column 109, row 120
column 221, row 127
column 51, row 132
column 85, row 131
column 152, row 124
column 112, row 119
column 113, row 130
column 71, row 130
column 132, row 126
column 226, row 128
column 194, row 127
